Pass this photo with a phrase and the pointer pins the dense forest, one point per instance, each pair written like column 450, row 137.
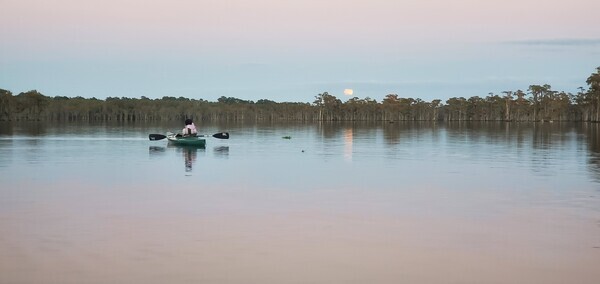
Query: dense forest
column 537, row 103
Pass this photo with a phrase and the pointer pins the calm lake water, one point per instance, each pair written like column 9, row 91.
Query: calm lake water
column 335, row 203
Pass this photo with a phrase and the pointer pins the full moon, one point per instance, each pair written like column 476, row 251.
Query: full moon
column 348, row 92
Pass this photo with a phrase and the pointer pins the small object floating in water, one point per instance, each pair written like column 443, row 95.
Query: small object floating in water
column 287, row 137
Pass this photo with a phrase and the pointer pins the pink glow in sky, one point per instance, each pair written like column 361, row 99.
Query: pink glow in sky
column 314, row 44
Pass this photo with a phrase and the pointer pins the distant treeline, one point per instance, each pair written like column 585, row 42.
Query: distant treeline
column 537, row 103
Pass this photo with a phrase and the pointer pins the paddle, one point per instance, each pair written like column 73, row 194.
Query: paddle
column 154, row 137
column 221, row 135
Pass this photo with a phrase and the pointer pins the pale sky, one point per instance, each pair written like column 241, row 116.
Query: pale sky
column 294, row 50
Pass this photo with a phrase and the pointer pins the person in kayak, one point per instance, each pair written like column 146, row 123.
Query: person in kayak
column 190, row 128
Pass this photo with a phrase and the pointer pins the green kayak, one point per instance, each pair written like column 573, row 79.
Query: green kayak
column 186, row 140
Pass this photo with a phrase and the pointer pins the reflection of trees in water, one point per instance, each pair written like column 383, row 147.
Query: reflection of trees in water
column 6, row 155
column 329, row 130
column 334, row 130
column 538, row 143
column 6, row 129
column 546, row 140
column 551, row 135
column 345, row 132
column 542, row 141
column 34, row 129
column 592, row 134
column 393, row 131
column 23, row 128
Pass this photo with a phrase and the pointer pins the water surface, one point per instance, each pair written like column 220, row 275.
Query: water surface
column 336, row 203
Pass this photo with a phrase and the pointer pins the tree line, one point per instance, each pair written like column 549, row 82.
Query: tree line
column 537, row 103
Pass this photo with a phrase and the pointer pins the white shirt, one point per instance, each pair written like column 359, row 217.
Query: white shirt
column 192, row 129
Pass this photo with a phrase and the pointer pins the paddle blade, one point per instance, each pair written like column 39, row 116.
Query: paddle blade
column 154, row 137
column 222, row 135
